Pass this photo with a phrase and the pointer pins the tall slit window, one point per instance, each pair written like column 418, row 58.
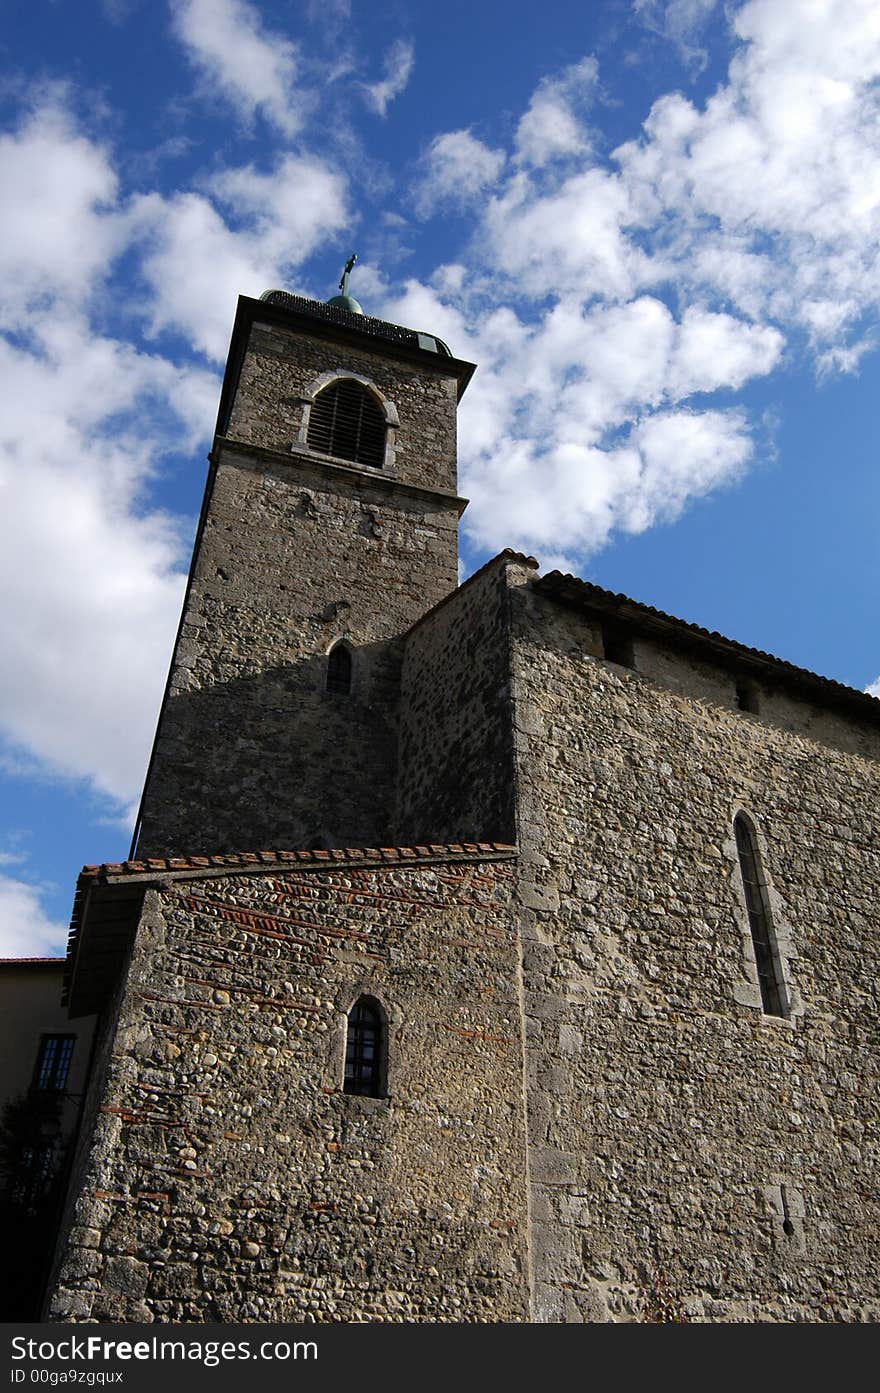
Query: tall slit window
column 772, row 998
column 347, row 421
column 364, row 1048
column 339, row 669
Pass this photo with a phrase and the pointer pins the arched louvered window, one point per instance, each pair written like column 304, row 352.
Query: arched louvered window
column 760, row 923
column 339, row 670
column 364, row 1049
column 347, row 421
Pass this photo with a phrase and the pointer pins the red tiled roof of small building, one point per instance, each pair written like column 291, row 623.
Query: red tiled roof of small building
column 335, row 856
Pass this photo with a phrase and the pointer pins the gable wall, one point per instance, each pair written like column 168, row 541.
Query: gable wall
column 455, row 753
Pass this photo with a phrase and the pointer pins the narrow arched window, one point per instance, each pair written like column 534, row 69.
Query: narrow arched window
column 760, row 924
column 364, row 1049
column 339, row 668
column 346, row 420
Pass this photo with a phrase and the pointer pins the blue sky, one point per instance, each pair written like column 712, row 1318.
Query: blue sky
column 653, row 224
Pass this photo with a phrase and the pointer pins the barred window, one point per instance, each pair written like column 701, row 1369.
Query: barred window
column 53, row 1063
column 364, row 1049
column 339, row 669
column 347, row 421
column 760, row 923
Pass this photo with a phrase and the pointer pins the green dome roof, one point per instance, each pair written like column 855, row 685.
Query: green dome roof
column 346, row 302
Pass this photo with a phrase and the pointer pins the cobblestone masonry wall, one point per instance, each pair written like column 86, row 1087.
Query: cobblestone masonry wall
column 231, row 1179
column 689, row 1155
column 252, row 751
column 455, row 777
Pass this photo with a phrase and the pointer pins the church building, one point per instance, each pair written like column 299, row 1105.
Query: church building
column 497, row 952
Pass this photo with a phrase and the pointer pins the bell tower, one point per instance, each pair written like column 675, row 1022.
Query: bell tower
column 329, row 525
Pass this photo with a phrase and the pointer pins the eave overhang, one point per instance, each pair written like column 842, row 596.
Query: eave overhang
column 710, row 646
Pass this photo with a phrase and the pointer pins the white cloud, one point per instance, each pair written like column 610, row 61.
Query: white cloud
column 291, row 208
column 571, row 497
column 93, row 577
column 770, row 195
column 716, row 350
column 94, row 581
column 570, row 241
column 59, row 189
column 726, row 237
column 255, row 68
column 398, row 66
column 551, row 127
column 196, row 264
column 581, row 425
column 874, row 688
column 195, row 267
column 457, row 168
column 680, row 21
column 26, row 930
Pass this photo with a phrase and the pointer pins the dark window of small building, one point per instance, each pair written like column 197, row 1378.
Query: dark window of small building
column 364, row 1049
column 759, row 919
column 347, row 421
column 339, row 668
column 53, row 1063
column 32, row 1176
column 617, row 645
column 747, row 697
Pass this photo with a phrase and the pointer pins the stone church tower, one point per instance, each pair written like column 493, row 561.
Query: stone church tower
column 316, row 536
column 503, row 952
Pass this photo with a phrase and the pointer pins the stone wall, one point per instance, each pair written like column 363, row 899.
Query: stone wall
column 456, row 777
column 775, row 704
column 690, row 1156
column 232, row 1179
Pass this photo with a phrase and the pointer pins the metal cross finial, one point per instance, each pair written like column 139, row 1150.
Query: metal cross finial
column 343, row 284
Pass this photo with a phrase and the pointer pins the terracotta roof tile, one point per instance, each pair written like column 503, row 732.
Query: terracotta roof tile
column 250, row 860
column 6, row 962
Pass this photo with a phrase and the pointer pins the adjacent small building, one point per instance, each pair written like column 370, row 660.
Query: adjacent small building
column 44, row 1066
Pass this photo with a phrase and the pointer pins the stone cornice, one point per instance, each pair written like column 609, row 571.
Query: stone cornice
column 359, row 476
